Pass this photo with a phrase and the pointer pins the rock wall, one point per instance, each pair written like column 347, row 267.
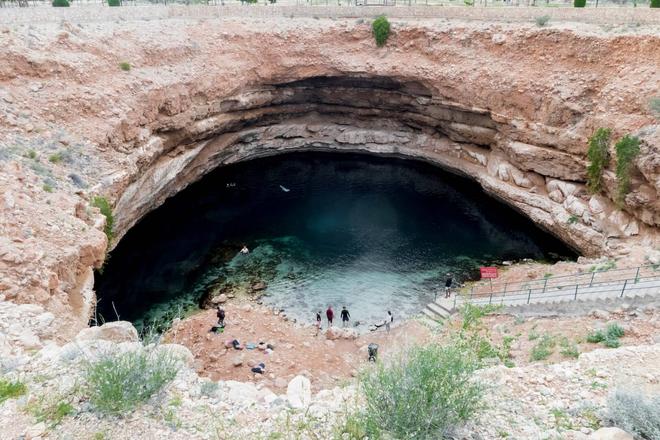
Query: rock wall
column 510, row 106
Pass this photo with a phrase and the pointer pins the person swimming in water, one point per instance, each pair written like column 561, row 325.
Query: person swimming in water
column 245, row 250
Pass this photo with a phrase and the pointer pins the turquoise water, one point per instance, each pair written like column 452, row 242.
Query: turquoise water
column 373, row 234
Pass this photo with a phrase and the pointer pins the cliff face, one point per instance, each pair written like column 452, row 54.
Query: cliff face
column 510, row 106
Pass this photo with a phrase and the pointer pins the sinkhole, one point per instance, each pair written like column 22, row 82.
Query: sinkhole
column 367, row 232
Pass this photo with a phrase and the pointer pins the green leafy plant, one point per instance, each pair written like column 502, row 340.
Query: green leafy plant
column 579, row 3
column 542, row 20
column 209, row 388
column 655, row 3
column 119, row 382
column 11, row 389
column 599, row 157
column 56, row 158
column 573, row 219
column 48, row 188
column 627, row 150
column 104, row 206
column 635, row 413
column 569, row 348
column 596, row 337
column 611, row 343
column 114, row 2
column 50, row 412
column 422, row 394
column 614, row 331
column 61, row 3
column 125, row 66
column 381, row 30
column 31, row 154
column 543, row 349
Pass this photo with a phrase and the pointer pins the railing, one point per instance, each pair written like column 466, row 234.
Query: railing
column 586, row 285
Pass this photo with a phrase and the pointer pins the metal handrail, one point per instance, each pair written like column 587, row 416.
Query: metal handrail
column 530, row 295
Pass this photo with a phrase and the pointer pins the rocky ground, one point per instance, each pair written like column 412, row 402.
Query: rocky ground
column 543, row 400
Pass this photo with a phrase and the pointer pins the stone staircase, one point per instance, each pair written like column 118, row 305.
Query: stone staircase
column 439, row 310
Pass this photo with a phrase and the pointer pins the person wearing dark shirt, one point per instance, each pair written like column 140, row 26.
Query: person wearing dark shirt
column 448, row 286
column 345, row 317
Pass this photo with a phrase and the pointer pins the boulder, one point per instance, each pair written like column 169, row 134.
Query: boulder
column 333, row 333
column 220, row 299
column 610, row 433
column 242, row 392
column 299, row 392
column 178, row 352
column 117, row 331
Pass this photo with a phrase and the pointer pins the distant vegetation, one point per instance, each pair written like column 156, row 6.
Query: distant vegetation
column 627, row 149
column 125, row 66
column 542, row 20
column 579, row 3
column 599, row 157
column 114, row 2
column 105, row 208
column 11, row 389
column 381, row 30
column 61, row 3
column 655, row 3
column 610, row 337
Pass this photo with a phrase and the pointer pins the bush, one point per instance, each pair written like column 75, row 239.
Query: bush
column 627, row 150
column 114, row 2
column 655, row 3
column 579, row 3
column 654, row 103
column 119, row 382
column 614, row 331
column 381, row 30
column 569, row 349
column 50, row 412
column 209, row 388
column 125, row 66
column 596, row 337
column 635, row 413
column 611, row 343
column 104, row 206
column 543, row 349
column 423, row 394
column 56, row 158
column 599, row 157
column 11, row 390
column 542, row 20
column 61, row 3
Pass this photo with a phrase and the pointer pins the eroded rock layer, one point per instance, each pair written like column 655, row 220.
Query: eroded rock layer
column 511, row 108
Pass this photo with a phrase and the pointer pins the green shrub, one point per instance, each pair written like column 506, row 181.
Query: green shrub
column 381, row 30
column 635, row 413
column 654, row 103
column 596, row 337
column 209, row 388
column 125, row 66
column 61, row 3
column 579, row 3
column 655, row 3
column 611, row 343
column 627, row 150
column 56, row 158
column 472, row 314
column 542, row 20
column 573, row 219
column 11, row 390
column 599, row 157
column 51, row 412
column 569, row 349
column 119, row 382
column 114, row 2
column 104, row 206
column 423, row 394
column 614, row 331
column 543, row 349
column 48, row 188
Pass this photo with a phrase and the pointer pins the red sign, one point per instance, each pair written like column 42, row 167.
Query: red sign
column 488, row 272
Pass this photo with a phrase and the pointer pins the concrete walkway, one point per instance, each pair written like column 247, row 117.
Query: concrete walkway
column 631, row 288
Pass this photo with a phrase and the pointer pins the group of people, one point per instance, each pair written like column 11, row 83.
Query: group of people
column 346, row 317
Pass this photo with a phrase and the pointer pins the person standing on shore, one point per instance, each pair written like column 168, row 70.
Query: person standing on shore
column 448, row 286
column 318, row 322
column 388, row 321
column 330, row 315
column 221, row 317
column 345, row 317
